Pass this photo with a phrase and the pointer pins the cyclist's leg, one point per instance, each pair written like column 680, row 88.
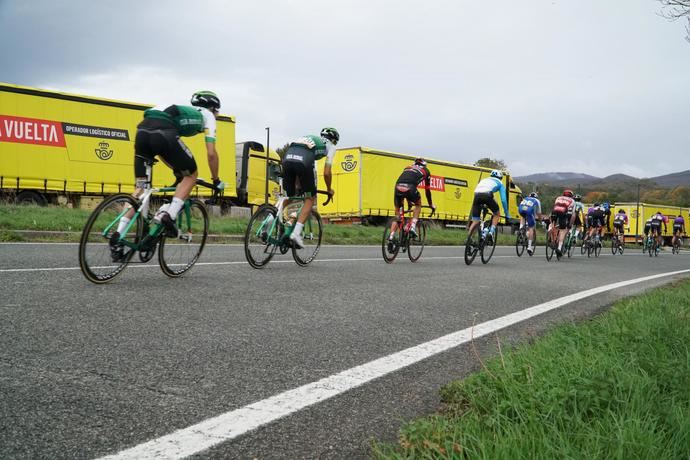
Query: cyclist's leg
column 179, row 158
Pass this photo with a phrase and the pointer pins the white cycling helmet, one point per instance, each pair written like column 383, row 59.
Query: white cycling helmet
column 497, row 174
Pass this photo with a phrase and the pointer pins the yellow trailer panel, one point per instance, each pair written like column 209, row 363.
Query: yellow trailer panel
column 59, row 142
column 638, row 215
column 364, row 179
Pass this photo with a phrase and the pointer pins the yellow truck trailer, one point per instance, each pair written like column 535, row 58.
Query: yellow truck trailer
column 638, row 215
column 62, row 148
column 364, row 179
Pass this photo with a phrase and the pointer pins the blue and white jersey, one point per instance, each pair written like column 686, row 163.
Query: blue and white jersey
column 493, row 185
column 530, row 205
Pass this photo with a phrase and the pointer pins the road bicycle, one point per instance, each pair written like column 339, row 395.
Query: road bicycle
column 677, row 244
column 270, row 227
column 594, row 245
column 617, row 244
column 521, row 241
column 653, row 247
column 104, row 253
column 480, row 239
column 402, row 239
column 570, row 242
column 646, row 243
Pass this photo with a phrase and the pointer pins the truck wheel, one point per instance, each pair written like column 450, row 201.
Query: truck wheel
column 31, row 197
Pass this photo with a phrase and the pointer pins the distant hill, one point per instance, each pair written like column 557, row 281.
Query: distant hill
column 673, row 180
column 574, row 179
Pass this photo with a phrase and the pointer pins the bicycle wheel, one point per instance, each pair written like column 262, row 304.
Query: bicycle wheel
column 472, row 245
column 415, row 246
column 621, row 247
column 261, row 235
column 390, row 249
column 487, row 249
column 571, row 244
column 311, row 234
column 614, row 245
column 520, row 243
column 177, row 255
column 583, row 246
column 98, row 262
column 550, row 246
column 597, row 248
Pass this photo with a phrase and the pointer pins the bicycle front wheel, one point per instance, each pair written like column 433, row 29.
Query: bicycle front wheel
column 597, row 248
column 101, row 259
column 415, row 245
column 262, row 235
column 472, row 245
column 311, row 235
column 177, row 255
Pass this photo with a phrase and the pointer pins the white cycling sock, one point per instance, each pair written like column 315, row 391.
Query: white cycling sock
column 298, row 228
column 122, row 225
column 175, row 207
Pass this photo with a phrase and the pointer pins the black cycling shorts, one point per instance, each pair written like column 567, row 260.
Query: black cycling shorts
column 656, row 226
column 618, row 225
column 407, row 192
column 296, row 173
column 647, row 228
column 158, row 137
column 481, row 199
column 677, row 228
column 562, row 219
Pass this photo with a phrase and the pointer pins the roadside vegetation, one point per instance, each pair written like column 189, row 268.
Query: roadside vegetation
column 613, row 387
column 19, row 223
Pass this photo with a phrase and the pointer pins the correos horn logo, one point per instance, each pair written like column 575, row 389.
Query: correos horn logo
column 348, row 163
column 102, row 151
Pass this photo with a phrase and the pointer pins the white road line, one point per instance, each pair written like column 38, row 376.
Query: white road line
column 227, row 426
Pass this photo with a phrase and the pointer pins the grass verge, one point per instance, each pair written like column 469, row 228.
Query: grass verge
column 617, row 386
column 18, row 223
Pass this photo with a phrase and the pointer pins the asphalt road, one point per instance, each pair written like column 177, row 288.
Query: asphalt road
column 87, row 370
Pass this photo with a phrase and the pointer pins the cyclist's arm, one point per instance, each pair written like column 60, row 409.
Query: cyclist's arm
column 212, row 155
column 427, row 187
column 327, row 170
column 504, row 201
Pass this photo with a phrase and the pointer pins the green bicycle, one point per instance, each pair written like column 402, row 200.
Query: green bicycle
column 269, row 230
column 104, row 253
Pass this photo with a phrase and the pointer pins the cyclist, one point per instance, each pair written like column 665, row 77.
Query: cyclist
column 530, row 210
column 647, row 228
column 620, row 221
column 657, row 220
column 160, row 133
column 299, row 167
column 595, row 219
column 484, row 195
column 678, row 227
column 406, row 189
column 563, row 217
column 579, row 217
column 606, row 225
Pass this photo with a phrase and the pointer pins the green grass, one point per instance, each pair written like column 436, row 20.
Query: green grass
column 15, row 220
column 616, row 387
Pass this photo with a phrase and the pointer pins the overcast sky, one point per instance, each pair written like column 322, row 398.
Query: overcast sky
column 589, row 86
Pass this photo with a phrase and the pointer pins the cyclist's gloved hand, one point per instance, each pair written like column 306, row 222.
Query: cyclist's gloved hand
column 219, row 184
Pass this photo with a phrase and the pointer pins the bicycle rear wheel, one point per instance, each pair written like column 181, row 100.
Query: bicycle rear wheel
column 311, row 234
column 390, row 249
column 520, row 243
column 614, row 245
column 177, row 255
column 100, row 261
column 261, row 230
column 472, row 245
column 488, row 248
column 597, row 248
column 571, row 244
column 550, row 245
column 415, row 245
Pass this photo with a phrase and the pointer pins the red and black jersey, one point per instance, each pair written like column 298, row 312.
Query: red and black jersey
column 563, row 205
column 414, row 174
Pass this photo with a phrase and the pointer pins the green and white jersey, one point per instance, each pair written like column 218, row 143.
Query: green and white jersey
column 318, row 145
column 188, row 120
